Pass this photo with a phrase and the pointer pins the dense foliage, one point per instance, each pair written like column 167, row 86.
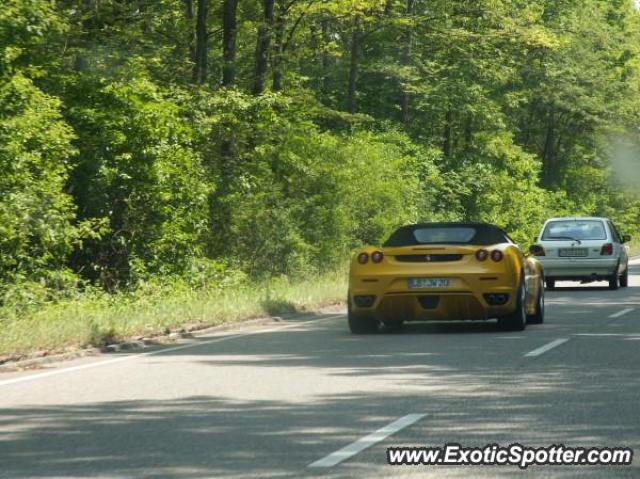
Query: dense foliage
column 192, row 138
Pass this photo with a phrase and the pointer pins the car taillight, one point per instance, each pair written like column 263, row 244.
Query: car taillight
column 607, row 249
column 363, row 258
column 496, row 255
column 377, row 256
column 482, row 254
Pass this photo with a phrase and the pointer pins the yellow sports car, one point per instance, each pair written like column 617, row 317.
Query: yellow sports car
column 441, row 272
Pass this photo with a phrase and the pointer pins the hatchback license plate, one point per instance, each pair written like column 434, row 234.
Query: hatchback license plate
column 573, row 252
column 427, row 283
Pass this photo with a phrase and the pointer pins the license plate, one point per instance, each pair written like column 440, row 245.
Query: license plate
column 427, row 283
column 573, row 252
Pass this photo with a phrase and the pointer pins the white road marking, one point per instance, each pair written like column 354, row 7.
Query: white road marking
column 597, row 335
column 594, row 303
column 621, row 313
column 367, row 441
column 217, row 339
column 546, row 347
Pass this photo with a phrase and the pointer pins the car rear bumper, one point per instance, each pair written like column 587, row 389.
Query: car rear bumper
column 467, row 299
column 578, row 267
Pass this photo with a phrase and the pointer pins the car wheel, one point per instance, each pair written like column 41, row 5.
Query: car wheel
column 538, row 316
column 624, row 279
column 614, row 281
column 551, row 284
column 517, row 320
column 359, row 324
column 393, row 326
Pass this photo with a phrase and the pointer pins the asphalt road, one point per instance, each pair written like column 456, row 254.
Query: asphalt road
column 269, row 400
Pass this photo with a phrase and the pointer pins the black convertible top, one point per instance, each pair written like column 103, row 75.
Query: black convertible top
column 481, row 234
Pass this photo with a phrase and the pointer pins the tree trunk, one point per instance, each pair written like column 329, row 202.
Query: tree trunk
column 229, row 31
column 220, row 208
column 324, row 26
column 468, row 134
column 262, row 47
column 447, row 136
column 191, row 37
column 547, row 153
column 406, row 61
column 201, row 54
column 526, row 125
column 278, row 50
column 188, row 9
column 80, row 61
column 354, row 57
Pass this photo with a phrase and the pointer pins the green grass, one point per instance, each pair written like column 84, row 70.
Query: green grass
column 98, row 319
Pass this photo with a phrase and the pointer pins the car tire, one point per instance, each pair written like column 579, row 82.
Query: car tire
column 624, row 279
column 538, row 316
column 517, row 320
column 393, row 326
column 614, row 281
column 551, row 284
column 359, row 324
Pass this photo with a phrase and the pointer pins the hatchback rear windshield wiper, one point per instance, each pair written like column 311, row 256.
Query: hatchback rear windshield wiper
column 561, row 238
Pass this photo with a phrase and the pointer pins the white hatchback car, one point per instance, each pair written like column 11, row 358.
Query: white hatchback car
column 582, row 249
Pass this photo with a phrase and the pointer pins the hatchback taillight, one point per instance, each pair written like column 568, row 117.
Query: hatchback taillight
column 607, row 249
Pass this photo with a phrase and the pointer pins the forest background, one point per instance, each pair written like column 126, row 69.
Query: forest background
column 188, row 162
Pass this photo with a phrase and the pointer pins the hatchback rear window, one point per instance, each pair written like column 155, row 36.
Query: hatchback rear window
column 574, row 229
column 471, row 234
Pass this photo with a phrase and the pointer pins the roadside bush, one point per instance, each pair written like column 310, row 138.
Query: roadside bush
column 138, row 175
column 298, row 199
column 37, row 230
column 501, row 187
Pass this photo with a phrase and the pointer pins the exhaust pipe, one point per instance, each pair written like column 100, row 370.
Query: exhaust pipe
column 496, row 299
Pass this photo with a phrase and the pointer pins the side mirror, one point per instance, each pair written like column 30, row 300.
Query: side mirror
column 626, row 238
column 536, row 250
